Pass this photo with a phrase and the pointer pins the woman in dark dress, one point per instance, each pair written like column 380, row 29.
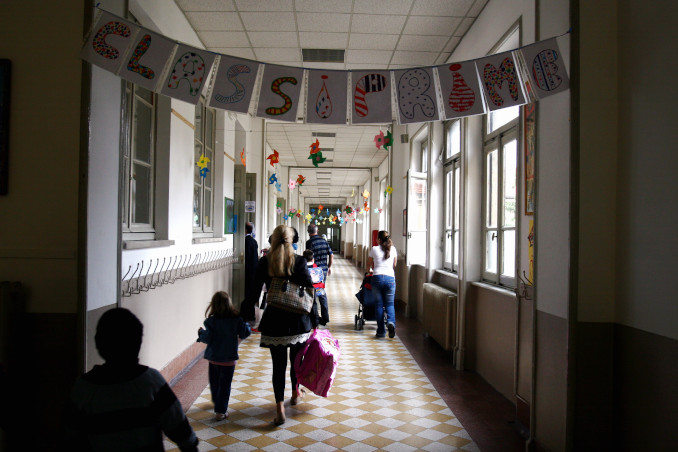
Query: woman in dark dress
column 280, row 329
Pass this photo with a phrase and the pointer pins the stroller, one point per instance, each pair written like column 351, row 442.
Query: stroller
column 367, row 307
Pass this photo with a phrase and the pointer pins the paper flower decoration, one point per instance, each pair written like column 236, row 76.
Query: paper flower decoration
column 286, row 217
column 376, row 210
column 279, row 210
column 379, row 139
column 291, row 184
column 338, row 212
column 292, row 210
column 320, row 208
column 278, row 204
column 315, row 147
column 317, row 158
column 274, row 158
column 278, row 186
column 202, row 163
column 242, row 157
column 300, row 180
column 388, row 140
column 366, row 194
column 273, row 179
column 309, row 216
column 389, row 190
column 298, row 214
column 203, row 172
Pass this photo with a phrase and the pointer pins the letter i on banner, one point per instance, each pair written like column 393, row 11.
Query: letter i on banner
column 280, row 92
column 188, row 74
column 501, row 81
column 371, row 97
column 460, row 89
column 109, row 42
column 545, row 67
column 147, row 59
column 326, row 97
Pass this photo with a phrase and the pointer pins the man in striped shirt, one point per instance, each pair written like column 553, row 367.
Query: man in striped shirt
column 122, row 405
column 322, row 256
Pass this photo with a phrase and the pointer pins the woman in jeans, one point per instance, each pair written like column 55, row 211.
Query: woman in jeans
column 382, row 261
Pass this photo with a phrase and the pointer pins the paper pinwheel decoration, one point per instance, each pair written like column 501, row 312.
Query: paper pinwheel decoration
column 353, row 192
column 300, row 180
column 315, row 147
column 365, row 204
column 286, row 217
column 273, row 179
column 376, row 211
column 317, row 158
column 379, row 139
column 278, row 186
column 202, row 164
column 278, row 204
column 389, row 190
column 274, row 157
column 292, row 210
column 320, row 208
column 242, row 157
column 291, row 184
column 203, row 172
column 338, row 212
column 388, row 140
column 366, row 194
column 298, row 214
column 309, row 216
column 349, row 210
column 279, row 210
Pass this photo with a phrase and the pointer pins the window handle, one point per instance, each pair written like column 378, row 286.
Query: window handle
column 494, row 235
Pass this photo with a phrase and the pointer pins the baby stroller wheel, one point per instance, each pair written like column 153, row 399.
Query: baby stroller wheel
column 357, row 322
column 362, row 323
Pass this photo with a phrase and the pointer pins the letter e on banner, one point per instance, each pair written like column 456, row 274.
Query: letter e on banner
column 546, row 68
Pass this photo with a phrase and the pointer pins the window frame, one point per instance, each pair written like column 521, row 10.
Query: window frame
column 199, row 182
column 133, row 230
column 452, row 199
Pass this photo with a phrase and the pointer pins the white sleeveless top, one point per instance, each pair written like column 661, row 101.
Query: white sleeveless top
column 383, row 266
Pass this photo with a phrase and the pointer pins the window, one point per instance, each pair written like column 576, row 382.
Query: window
column 138, row 153
column 500, row 204
column 452, row 194
column 203, row 174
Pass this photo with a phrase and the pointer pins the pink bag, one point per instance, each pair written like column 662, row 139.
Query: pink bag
column 316, row 365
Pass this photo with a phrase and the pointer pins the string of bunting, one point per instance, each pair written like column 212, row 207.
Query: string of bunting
column 410, row 95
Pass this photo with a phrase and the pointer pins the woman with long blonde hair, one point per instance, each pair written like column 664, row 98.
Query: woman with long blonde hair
column 281, row 329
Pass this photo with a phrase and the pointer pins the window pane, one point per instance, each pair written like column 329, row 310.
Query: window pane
column 453, row 139
column 449, row 207
column 491, row 251
column 509, row 253
column 510, row 171
column 448, row 247
column 197, row 178
column 424, row 157
column 196, row 206
column 457, row 196
column 125, row 199
column 198, row 122
column 143, row 116
column 141, row 190
column 209, row 128
column 208, row 178
column 144, row 94
column 207, row 209
column 500, row 117
column 418, row 215
column 491, row 189
column 456, row 250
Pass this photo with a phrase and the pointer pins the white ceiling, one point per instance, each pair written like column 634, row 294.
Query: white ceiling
column 375, row 34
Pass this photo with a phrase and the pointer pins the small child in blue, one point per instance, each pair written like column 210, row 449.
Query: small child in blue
column 224, row 329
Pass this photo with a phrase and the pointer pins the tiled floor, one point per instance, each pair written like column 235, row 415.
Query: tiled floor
column 396, row 394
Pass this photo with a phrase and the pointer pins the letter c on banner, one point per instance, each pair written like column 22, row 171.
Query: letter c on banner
column 99, row 42
column 275, row 87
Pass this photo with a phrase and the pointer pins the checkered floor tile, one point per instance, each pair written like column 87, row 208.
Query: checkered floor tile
column 380, row 400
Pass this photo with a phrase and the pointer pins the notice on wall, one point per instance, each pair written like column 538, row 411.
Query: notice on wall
column 250, row 206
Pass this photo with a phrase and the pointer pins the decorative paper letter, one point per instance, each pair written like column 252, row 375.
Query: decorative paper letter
column 271, row 92
column 109, row 42
column 233, row 84
column 148, row 59
column 376, row 85
column 546, row 68
column 501, row 81
column 326, row 97
column 460, row 90
column 416, row 96
column 189, row 74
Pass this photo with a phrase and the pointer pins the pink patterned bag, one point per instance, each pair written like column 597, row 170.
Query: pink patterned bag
column 316, row 365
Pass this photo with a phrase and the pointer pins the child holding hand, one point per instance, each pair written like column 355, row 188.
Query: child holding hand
column 224, row 329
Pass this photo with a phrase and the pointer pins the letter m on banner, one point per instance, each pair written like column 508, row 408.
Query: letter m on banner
column 500, row 80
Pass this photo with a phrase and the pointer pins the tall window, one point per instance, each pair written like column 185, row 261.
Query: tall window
column 500, row 203
column 138, row 149
column 203, row 174
column 452, row 164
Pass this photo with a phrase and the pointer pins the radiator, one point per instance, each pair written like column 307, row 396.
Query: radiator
column 440, row 315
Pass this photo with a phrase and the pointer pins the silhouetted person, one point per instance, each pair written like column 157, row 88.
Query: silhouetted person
column 251, row 260
column 122, row 405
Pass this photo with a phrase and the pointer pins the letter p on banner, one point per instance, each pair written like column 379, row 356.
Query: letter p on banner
column 109, row 42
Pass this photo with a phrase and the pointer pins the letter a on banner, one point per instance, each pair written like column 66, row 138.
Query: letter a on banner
column 371, row 97
column 147, row 60
column 188, row 73
column 546, row 68
column 279, row 94
column 460, row 89
column 501, row 81
column 326, row 97
column 416, row 95
column 109, row 42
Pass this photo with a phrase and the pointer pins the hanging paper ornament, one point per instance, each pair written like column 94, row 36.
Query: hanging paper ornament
column 203, row 172
column 366, row 194
column 320, row 208
column 389, row 190
column 292, row 210
column 338, row 212
column 298, row 214
column 300, row 180
column 278, row 186
column 317, row 158
column 312, row 210
column 376, row 210
column 278, row 204
column 309, row 216
column 273, row 179
column 279, row 210
column 353, row 192
column 379, row 139
column 380, row 210
column 274, row 158
column 315, row 147
column 242, row 157
column 291, row 184
column 202, row 163
column 388, row 140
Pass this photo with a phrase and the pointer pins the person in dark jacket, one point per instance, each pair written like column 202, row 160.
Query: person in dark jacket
column 251, row 260
column 280, row 329
column 224, row 329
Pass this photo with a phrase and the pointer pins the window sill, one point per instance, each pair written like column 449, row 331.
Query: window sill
column 500, row 290
column 141, row 244
column 197, row 240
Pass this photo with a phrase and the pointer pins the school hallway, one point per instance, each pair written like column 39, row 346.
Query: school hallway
column 400, row 394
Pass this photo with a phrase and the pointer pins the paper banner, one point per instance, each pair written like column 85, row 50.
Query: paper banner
column 188, row 73
column 280, row 91
column 416, row 95
column 371, row 97
column 109, row 42
column 501, row 81
column 233, row 84
column 460, row 89
column 546, row 68
column 326, row 97
column 145, row 65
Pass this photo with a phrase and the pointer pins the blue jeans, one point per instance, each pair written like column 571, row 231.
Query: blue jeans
column 220, row 386
column 383, row 291
column 324, row 309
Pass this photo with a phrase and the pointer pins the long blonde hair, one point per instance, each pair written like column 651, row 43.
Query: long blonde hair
column 281, row 255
